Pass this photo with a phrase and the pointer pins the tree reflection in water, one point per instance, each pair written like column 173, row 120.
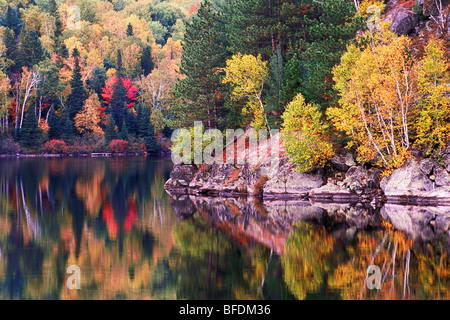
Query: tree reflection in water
column 113, row 218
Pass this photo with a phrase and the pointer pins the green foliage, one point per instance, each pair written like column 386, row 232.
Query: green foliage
column 111, row 131
column 147, row 131
column 123, row 134
column 328, row 33
column 78, row 95
column 54, row 122
column 200, row 94
column 30, row 49
column 30, row 134
column 147, row 61
column 305, row 135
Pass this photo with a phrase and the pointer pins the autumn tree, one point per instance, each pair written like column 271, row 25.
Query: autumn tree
column 432, row 124
column 305, row 135
column 247, row 74
column 376, row 96
column 88, row 119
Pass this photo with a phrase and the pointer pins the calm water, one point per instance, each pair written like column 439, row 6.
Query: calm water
column 131, row 240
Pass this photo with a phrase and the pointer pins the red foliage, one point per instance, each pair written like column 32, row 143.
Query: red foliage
column 118, row 146
column 194, row 8
column 55, row 146
column 111, row 223
column 108, row 91
column 132, row 217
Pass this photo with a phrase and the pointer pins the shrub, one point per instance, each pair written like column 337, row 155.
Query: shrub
column 8, row 146
column 118, row 146
column 306, row 137
column 55, row 147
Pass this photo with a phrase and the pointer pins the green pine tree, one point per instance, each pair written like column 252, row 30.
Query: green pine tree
column 328, row 33
column 110, row 131
column 11, row 51
column 30, row 134
column 75, row 100
column 201, row 93
column 123, row 135
column 130, row 30
column 30, row 49
column 147, row 61
column 131, row 122
column 68, row 128
column 147, row 132
column 54, row 122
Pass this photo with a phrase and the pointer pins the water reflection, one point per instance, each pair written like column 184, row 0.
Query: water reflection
column 113, row 219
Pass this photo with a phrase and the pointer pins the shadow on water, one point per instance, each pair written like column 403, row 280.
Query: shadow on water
column 131, row 240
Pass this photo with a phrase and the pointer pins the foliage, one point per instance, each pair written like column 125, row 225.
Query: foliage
column 88, row 119
column 55, row 147
column 118, row 146
column 30, row 134
column 375, row 87
column 305, row 135
column 247, row 74
column 432, row 124
column 200, row 93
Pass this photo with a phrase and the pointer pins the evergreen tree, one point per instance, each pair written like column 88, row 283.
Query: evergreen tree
column 129, row 30
column 328, row 33
column 97, row 81
column 30, row 134
column 76, row 99
column 261, row 26
column 30, row 49
column 110, row 131
column 11, row 51
column 124, row 131
column 118, row 103
column 147, row 131
column 54, row 123
column 68, row 128
column 131, row 122
column 53, row 9
column 11, row 20
column 147, row 61
column 274, row 92
column 201, row 92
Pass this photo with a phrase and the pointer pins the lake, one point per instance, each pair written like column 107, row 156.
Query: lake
column 112, row 219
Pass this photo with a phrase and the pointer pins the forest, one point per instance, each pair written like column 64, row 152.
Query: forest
column 81, row 76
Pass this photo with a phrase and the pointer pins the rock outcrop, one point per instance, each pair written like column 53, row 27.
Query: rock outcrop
column 280, row 179
column 424, row 182
column 359, row 185
column 403, row 21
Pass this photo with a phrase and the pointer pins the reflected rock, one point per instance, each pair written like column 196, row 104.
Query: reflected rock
column 183, row 207
column 180, row 176
column 423, row 223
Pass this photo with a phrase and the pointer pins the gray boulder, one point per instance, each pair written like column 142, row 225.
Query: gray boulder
column 180, row 176
column 403, row 20
column 408, row 180
column 285, row 179
column 343, row 161
column 442, row 177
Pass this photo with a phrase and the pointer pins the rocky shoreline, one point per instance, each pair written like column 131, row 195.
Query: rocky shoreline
column 419, row 182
